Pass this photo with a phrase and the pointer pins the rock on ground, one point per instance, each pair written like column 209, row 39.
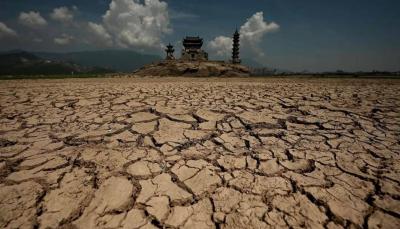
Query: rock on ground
column 193, row 69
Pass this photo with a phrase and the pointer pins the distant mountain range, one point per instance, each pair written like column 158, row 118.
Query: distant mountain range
column 118, row 60
column 20, row 62
column 251, row 63
column 25, row 63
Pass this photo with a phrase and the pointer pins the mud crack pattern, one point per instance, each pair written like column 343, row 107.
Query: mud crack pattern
column 195, row 153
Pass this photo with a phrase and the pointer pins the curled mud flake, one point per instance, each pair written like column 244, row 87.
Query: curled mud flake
column 209, row 115
column 69, row 200
column 232, row 162
column 270, row 167
column 170, row 131
column 205, row 181
column 143, row 169
column 162, row 185
column 141, row 117
column 388, row 204
column 179, row 216
column 341, row 203
column 114, row 195
column 18, row 207
column 158, row 207
column 51, row 170
column 135, row 218
column 226, row 200
column 144, row 127
column 380, row 220
column 304, row 212
column 201, row 216
column 237, row 221
column 299, row 166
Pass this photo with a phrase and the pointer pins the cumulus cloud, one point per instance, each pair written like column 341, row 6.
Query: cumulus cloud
column 63, row 14
column 251, row 34
column 133, row 23
column 101, row 36
column 32, row 19
column 221, row 45
column 65, row 39
column 5, row 31
column 255, row 27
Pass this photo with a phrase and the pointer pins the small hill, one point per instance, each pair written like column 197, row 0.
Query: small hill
column 25, row 63
column 119, row 60
column 194, row 69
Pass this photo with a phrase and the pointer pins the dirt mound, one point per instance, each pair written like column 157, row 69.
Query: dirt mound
column 195, row 68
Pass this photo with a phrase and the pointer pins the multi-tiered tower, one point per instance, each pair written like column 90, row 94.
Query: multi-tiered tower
column 235, row 48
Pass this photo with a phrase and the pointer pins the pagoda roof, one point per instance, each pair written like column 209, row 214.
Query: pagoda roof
column 189, row 38
column 192, row 42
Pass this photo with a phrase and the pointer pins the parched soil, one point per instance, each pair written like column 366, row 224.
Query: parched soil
column 200, row 153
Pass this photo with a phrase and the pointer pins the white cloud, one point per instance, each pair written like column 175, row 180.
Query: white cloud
column 251, row 34
column 132, row 23
column 101, row 36
column 65, row 39
column 255, row 27
column 221, row 45
column 254, row 30
column 32, row 19
column 63, row 14
column 5, row 31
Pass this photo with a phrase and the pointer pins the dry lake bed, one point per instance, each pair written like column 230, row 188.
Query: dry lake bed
column 200, row 153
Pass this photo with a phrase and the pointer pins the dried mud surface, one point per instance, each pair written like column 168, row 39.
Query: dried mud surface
column 200, row 153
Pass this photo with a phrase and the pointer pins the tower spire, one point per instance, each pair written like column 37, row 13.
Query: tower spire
column 170, row 52
column 235, row 47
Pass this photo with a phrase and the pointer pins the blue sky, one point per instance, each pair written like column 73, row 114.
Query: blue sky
column 314, row 35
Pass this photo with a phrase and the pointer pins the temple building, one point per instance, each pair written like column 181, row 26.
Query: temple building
column 192, row 49
column 235, row 48
column 194, row 62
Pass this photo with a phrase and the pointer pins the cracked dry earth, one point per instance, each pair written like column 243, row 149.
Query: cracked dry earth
column 200, row 153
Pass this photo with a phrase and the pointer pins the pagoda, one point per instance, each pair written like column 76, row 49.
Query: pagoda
column 235, row 48
column 192, row 49
column 170, row 52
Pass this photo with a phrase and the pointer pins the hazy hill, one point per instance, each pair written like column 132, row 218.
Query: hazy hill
column 24, row 63
column 120, row 60
column 251, row 63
